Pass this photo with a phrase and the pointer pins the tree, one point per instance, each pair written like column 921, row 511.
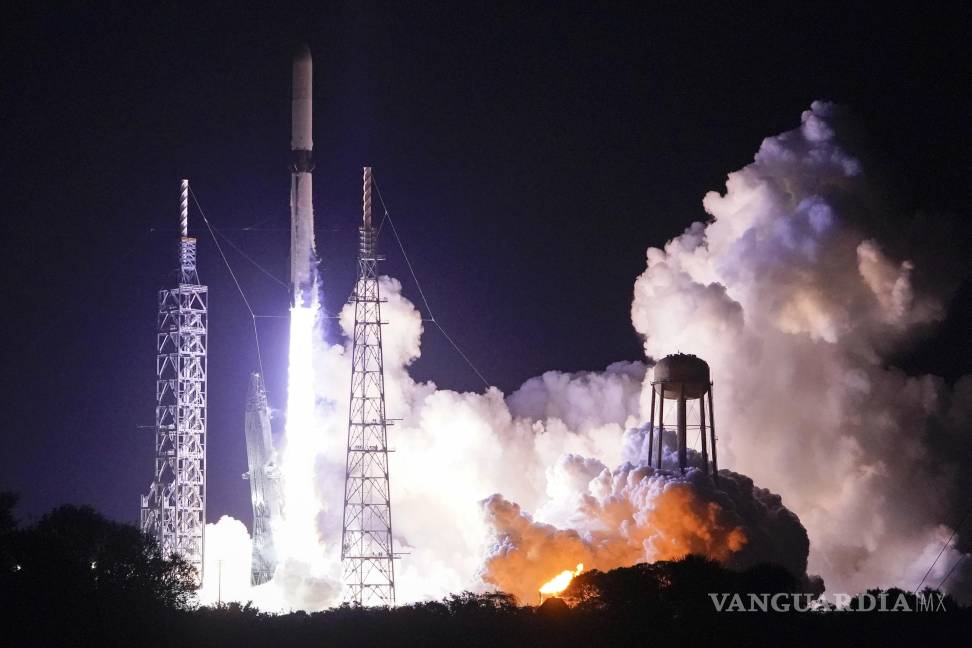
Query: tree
column 78, row 575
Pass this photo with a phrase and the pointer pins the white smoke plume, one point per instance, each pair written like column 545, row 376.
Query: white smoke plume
column 226, row 570
column 789, row 295
column 795, row 306
column 637, row 514
column 451, row 450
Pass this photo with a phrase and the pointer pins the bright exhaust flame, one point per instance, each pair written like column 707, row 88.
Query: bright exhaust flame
column 298, row 538
column 559, row 583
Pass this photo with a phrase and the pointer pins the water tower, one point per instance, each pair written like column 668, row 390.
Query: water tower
column 685, row 379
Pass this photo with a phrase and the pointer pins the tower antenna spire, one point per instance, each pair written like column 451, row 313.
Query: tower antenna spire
column 366, row 199
column 367, row 553
column 184, row 208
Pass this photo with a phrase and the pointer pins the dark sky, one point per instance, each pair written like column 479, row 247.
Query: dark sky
column 528, row 155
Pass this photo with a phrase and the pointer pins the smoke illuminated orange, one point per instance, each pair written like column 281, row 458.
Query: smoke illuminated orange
column 559, row 583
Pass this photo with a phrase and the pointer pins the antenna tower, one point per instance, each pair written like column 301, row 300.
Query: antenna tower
column 366, row 538
column 174, row 511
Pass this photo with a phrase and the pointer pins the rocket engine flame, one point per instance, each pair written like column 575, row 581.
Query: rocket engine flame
column 559, row 583
column 298, row 536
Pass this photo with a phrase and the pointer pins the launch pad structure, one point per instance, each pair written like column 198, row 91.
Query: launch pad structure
column 174, row 510
column 264, row 477
column 367, row 553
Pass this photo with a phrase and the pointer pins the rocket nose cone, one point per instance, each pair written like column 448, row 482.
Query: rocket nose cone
column 302, row 53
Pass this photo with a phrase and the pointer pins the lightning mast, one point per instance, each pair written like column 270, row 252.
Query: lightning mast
column 174, row 511
column 366, row 539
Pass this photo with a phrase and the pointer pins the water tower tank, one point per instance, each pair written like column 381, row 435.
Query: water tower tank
column 681, row 376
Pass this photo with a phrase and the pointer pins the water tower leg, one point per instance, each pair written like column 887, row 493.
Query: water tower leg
column 682, row 442
column 715, row 464
column 705, row 453
column 651, row 426
column 661, row 424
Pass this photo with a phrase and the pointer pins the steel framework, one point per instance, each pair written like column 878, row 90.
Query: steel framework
column 264, row 477
column 366, row 540
column 174, row 511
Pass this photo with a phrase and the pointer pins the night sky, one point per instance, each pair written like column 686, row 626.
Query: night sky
column 528, row 156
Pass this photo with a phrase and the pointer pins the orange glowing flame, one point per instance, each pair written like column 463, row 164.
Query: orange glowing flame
column 559, row 583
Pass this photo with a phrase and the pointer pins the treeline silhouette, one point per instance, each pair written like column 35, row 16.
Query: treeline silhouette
column 74, row 578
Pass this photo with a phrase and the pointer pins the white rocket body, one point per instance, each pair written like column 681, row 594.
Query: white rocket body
column 302, row 255
column 303, row 96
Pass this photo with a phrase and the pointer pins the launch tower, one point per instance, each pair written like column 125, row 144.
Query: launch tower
column 366, row 542
column 264, row 481
column 174, row 511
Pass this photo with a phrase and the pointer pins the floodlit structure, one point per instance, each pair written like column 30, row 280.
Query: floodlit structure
column 174, row 510
column 366, row 539
column 264, row 478
column 684, row 379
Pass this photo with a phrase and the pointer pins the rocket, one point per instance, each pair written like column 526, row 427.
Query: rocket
column 303, row 257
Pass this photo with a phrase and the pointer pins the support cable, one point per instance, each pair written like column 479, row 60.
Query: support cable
column 938, row 557
column 958, row 562
column 249, row 258
column 253, row 318
column 425, row 301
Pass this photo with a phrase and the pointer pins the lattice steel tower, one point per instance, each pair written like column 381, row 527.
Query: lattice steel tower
column 264, row 477
column 366, row 539
column 174, row 511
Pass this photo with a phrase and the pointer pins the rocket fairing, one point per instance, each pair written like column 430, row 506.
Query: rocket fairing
column 302, row 255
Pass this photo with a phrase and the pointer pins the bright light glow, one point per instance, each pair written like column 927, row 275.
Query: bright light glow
column 226, row 567
column 559, row 583
column 307, row 565
column 298, row 537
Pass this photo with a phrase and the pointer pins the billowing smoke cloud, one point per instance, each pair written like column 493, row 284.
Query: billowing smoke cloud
column 796, row 307
column 452, row 450
column 226, row 569
column 636, row 514
column 794, row 302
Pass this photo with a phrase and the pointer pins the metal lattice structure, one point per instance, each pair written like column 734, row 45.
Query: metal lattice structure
column 366, row 540
column 174, row 511
column 264, row 478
